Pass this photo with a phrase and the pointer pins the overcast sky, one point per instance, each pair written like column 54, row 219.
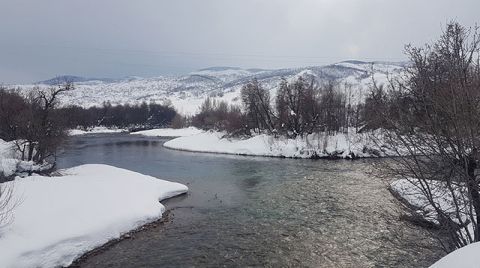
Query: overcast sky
column 116, row 38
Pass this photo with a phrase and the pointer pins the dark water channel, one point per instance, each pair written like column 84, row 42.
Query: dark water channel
column 253, row 211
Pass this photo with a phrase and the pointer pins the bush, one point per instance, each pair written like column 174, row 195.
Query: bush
column 221, row 116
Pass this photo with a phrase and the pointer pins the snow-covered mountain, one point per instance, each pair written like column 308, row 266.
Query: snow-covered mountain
column 187, row 92
column 73, row 79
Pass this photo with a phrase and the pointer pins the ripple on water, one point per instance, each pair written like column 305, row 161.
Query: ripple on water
column 261, row 212
column 346, row 220
column 325, row 219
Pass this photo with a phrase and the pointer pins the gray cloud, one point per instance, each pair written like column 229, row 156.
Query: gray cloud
column 114, row 38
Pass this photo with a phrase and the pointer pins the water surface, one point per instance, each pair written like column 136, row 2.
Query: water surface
column 254, row 211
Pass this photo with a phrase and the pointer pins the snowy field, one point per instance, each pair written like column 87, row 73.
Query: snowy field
column 169, row 132
column 57, row 219
column 340, row 145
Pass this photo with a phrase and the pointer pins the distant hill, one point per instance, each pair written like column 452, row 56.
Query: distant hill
column 71, row 79
column 187, row 92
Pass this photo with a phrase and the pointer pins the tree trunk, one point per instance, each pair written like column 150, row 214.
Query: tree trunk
column 30, row 151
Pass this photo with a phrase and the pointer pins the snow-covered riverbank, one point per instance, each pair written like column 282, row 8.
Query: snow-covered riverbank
column 410, row 192
column 159, row 132
column 11, row 163
column 169, row 132
column 57, row 219
column 8, row 163
column 340, row 145
column 96, row 130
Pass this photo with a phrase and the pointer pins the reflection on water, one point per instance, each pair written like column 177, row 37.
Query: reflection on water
column 252, row 211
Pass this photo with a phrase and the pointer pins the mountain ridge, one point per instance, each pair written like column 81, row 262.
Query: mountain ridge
column 187, row 92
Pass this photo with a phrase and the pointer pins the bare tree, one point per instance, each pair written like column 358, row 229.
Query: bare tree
column 12, row 113
column 44, row 129
column 33, row 121
column 297, row 107
column 432, row 124
column 375, row 102
column 332, row 108
column 256, row 101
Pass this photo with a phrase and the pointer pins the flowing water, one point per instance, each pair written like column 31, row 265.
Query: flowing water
column 254, row 211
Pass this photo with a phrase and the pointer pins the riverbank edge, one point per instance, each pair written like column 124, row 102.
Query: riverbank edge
column 315, row 157
column 15, row 231
column 413, row 216
column 312, row 146
column 157, row 223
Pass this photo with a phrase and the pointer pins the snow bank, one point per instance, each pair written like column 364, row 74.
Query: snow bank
column 410, row 190
column 170, row 132
column 11, row 163
column 57, row 219
column 95, row 130
column 466, row 257
column 8, row 163
column 314, row 145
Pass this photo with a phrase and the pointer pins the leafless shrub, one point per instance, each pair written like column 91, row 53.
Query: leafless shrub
column 256, row 102
column 297, row 108
column 218, row 115
column 6, row 204
column 431, row 123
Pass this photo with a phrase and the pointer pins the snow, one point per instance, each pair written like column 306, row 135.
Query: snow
column 57, row 219
column 8, row 166
column 226, row 74
column 466, row 257
column 95, row 130
column 187, row 92
column 169, row 132
column 11, row 163
column 8, row 163
column 313, row 145
column 411, row 192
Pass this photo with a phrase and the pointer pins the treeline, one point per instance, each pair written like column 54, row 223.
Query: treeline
column 38, row 125
column 151, row 115
column 300, row 107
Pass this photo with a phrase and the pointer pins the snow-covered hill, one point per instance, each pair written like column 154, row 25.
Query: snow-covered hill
column 187, row 92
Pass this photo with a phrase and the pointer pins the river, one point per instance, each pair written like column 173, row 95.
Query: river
column 254, row 211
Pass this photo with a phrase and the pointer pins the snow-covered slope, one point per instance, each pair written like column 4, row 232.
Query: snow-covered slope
column 187, row 92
